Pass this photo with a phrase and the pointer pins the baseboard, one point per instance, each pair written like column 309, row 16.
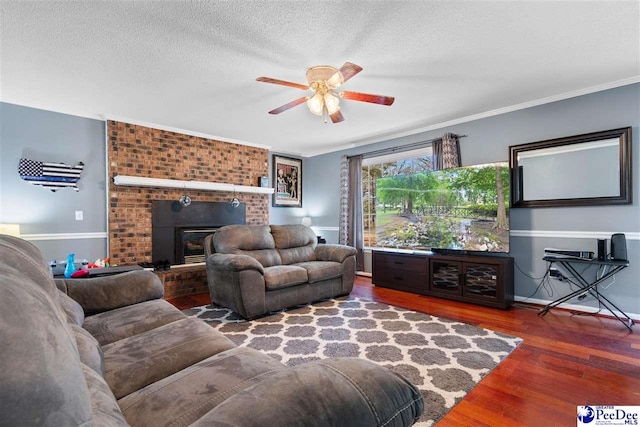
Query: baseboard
column 574, row 307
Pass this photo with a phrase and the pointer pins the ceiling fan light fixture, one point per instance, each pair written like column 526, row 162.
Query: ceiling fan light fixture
column 316, row 104
column 331, row 102
column 323, row 81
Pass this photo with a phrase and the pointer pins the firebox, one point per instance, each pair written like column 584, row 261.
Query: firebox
column 190, row 244
column 178, row 231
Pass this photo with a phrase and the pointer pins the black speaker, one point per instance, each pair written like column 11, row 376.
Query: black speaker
column 618, row 247
column 602, row 249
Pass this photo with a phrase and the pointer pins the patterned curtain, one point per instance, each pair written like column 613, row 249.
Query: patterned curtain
column 446, row 152
column 351, row 223
column 344, row 201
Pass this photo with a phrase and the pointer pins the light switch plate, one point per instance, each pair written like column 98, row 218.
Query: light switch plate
column 79, row 215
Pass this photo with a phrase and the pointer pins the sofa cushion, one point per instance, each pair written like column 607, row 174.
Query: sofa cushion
column 73, row 310
column 185, row 396
column 295, row 243
column 284, row 276
column 124, row 322
column 89, row 350
column 135, row 362
column 41, row 382
column 332, row 392
column 98, row 294
column 24, row 256
column 104, row 407
column 252, row 240
column 321, row 270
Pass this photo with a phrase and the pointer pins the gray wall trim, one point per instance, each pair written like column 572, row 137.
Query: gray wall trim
column 630, row 235
column 582, row 308
column 65, row 236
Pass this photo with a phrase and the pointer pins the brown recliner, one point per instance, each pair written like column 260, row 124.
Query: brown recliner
column 257, row 269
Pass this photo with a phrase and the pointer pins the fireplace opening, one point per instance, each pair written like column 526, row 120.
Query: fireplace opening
column 190, row 244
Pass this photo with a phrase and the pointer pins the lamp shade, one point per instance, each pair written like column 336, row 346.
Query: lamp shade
column 316, row 104
column 306, row 221
column 10, row 229
column 332, row 103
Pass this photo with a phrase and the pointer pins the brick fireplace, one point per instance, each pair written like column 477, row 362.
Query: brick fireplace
column 147, row 152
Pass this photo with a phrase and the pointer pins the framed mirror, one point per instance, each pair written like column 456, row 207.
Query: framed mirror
column 580, row 170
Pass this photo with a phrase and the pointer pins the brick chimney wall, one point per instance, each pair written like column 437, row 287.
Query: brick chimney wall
column 153, row 153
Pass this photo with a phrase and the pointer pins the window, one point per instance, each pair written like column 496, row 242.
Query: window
column 377, row 214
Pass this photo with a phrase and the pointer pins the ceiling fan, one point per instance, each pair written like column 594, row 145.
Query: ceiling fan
column 323, row 81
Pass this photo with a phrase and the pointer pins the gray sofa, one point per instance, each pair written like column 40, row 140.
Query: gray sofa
column 256, row 269
column 111, row 352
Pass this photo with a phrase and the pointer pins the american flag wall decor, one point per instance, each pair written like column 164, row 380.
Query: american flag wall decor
column 50, row 175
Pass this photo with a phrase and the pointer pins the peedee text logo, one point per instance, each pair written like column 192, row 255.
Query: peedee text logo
column 608, row 415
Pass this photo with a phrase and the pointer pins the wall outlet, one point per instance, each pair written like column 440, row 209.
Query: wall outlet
column 79, row 215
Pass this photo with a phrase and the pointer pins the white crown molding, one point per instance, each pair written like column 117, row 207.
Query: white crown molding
column 630, row 235
column 65, row 236
column 51, row 108
column 402, row 132
column 353, row 143
column 183, row 131
column 105, row 117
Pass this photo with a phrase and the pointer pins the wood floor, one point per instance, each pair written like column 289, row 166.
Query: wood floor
column 564, row 361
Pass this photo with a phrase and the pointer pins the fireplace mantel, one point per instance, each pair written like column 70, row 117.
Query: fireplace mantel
column 140, row 181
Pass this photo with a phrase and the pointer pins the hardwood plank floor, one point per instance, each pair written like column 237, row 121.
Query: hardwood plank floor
column 564, row 361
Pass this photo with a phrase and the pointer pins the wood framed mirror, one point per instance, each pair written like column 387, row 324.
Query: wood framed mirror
column 579, row 170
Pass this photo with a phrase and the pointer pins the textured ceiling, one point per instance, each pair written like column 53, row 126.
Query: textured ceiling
column 192, row 65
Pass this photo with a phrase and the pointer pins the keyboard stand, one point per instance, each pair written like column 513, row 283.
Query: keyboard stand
column 591, row 288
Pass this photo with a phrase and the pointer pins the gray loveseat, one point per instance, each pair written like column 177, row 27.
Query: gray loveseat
column 111, row 352
column 256, row 269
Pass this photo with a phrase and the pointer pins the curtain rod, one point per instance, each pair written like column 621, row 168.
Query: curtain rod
column 400, row 149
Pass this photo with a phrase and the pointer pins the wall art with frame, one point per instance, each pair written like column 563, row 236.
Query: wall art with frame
column 287, row 179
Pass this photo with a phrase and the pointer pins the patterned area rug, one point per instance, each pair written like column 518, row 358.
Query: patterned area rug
column 443, row 358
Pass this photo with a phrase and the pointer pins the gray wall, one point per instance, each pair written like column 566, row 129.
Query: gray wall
column 488, row 141
column 52, row 137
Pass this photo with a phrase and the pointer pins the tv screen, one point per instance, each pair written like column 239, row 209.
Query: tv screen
column 464, row 208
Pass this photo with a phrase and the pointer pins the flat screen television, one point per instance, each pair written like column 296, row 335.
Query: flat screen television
column 458, row 209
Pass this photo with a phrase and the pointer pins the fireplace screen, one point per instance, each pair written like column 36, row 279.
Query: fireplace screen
column 190, row 244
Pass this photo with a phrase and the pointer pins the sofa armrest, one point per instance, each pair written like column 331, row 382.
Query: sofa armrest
column 99, row 294
column 331, row 392
column 233, row 262
column 337, row 253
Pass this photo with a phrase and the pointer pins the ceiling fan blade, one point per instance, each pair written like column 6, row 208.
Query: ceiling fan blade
column 367, row 97
column 282, row 82
column 291, row 104
column 345, row 72
column 337, row 117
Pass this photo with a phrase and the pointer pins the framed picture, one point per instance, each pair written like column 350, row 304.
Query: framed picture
column 287, row 178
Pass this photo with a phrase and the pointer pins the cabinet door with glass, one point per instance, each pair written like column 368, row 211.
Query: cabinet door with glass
column 481, row 281
column 445, row 277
